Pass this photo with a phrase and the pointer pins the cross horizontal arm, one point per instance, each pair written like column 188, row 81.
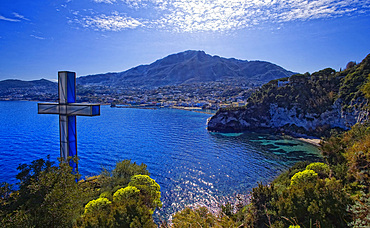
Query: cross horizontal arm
column 70, row 109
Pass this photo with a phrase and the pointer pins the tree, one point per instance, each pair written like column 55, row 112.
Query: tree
column 303, row 177
column 350, row 64
column 96, row 205
column 201, row 217
column 149, row 189
column 366, row 88
column 48, row 196
column 121, row 175
column 320, row 168
column 126, row 193
column 132, row 206
column 322, row 201
column 261, row 209
column 361, row 211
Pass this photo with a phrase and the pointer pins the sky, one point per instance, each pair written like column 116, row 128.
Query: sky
column 39, row 38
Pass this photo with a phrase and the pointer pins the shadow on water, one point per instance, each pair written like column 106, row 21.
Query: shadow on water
column 272, row 147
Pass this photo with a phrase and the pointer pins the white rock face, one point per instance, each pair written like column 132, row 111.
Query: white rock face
column 282, row 116
column 277, row 117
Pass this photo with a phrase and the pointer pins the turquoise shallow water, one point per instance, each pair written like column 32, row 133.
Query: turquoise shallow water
column 191, row 165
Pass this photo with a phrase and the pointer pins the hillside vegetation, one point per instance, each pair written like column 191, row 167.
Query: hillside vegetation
column 317, row 92
column 304, row 103
column 47, row 195
column 330, row 194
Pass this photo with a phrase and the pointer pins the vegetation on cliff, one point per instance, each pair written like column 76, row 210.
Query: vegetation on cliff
column 316, row 92
column 310, row 95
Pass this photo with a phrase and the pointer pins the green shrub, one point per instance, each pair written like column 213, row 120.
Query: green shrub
column 121, row 175
column 48, row 196
column 303, row 177
column 149, row 189
column 97, row 205
column 125, row 193
column 106, row 194
column 201, row 217
column 361, row 211
column 320, row 168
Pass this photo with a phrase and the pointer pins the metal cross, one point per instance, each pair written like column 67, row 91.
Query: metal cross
column 68, row 110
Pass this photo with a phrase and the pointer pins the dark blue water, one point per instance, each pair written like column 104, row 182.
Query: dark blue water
column 190, row 164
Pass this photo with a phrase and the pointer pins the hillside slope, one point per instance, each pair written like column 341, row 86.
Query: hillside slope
column 310, row 104
column 186, row 68
column 35, row 90
column 19, row 84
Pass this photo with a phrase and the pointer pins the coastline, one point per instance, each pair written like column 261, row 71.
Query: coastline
column 192, row 109
column 307, row 139
column 313, row 141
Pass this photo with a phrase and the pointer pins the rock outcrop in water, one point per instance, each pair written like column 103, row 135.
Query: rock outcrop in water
column 309, row 104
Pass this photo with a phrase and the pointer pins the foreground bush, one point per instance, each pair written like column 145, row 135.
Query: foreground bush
column 201, row 217
column 132, row 206
column 331, row 194
column 50, row 196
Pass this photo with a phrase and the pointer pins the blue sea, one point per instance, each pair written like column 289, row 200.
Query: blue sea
column 192, row 165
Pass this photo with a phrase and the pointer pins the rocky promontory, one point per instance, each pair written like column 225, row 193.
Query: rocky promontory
column 311, row 104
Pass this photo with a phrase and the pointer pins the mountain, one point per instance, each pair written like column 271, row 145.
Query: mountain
column 309, row 104
column 186, row 68
column 19, row 84
column 37, row 90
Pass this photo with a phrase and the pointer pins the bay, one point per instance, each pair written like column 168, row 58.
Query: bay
column 192, row 165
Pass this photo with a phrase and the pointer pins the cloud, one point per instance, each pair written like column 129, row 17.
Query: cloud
column 305, row 10
column 193, row 16
column 221, row 15
column 111, row 22
column 18, row 18
column 9, row 19
column 38, row 37
column 17, row 15
column 105, row 1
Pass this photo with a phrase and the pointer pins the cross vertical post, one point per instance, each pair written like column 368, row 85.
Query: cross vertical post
column 68, row 110
column 67, row 123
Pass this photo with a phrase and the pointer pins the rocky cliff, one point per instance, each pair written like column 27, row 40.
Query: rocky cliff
column 309, row 104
